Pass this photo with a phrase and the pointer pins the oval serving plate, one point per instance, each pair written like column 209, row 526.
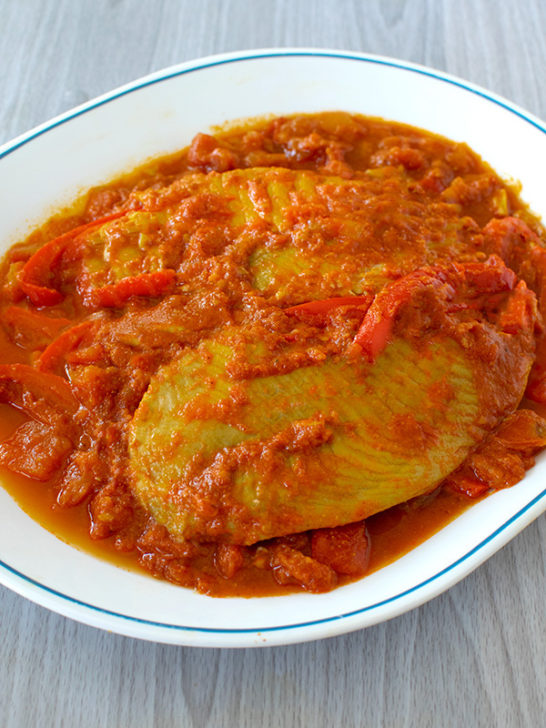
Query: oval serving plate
column 47, row 167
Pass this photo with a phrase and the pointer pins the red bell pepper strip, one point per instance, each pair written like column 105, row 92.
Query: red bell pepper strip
column 346, row 549
column 471, row 280
column 39, row 394
column 31, row 330
column 35, row 450
column 470, row 486
column 116, row 294
column 36, row 276
column 328, row 304
column 524, row 431
column 501, row 460
column 54, row 356
column 493, row 276
column 508, row 237
column 536, row 386
column 376, row 329
column 518, row 245
column 520, row 311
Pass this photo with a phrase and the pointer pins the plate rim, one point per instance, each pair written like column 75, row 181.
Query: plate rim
column 219, row 59
column 313, row 629
column 453, row 573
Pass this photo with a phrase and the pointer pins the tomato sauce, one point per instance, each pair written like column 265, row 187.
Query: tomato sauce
column 393, row 532
column 96, row 302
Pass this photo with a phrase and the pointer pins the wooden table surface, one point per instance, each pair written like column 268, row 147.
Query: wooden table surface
column 475, row 656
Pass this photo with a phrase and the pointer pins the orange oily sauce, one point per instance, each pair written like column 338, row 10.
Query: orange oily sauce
column 330, row 144
column 393, row 532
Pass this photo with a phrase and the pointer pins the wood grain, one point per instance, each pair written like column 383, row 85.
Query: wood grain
column 472, row 657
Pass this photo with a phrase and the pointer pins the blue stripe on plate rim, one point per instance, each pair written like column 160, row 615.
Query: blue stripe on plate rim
column 219, row 61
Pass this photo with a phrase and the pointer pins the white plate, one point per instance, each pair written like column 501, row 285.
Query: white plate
column 47, row 167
